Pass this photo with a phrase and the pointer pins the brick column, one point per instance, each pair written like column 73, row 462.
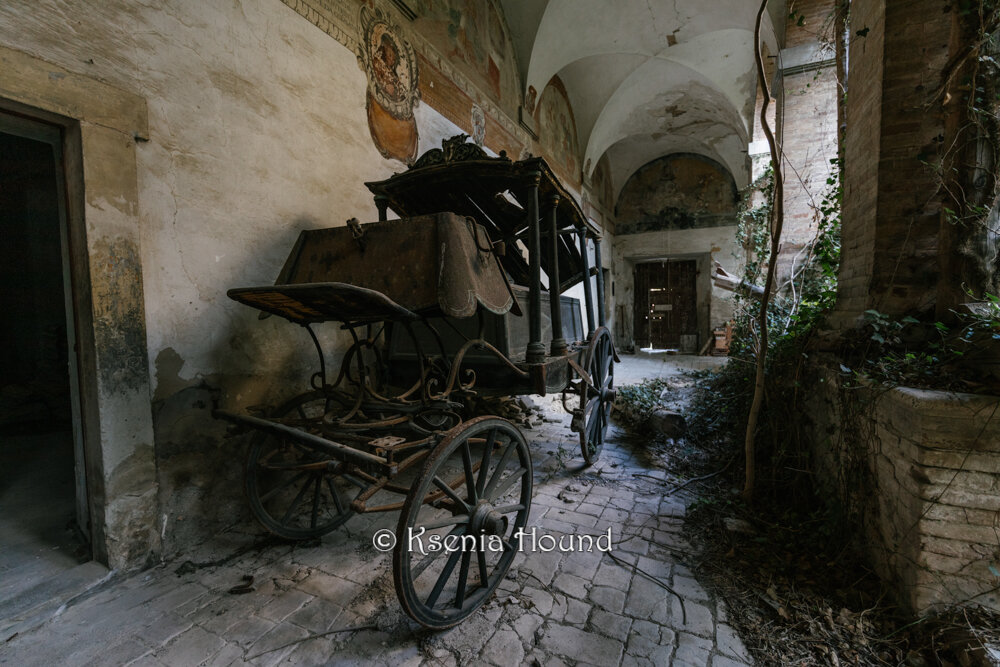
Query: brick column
column 892, row 199
column 808, row 104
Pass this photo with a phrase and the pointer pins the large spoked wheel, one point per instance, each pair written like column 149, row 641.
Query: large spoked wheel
column 597, row 398
column 296, row 492
column 460, row 526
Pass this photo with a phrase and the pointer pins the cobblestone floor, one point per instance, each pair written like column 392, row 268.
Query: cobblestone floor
column 553, row 609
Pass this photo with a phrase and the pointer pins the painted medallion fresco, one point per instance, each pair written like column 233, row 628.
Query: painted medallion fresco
column 391, row 66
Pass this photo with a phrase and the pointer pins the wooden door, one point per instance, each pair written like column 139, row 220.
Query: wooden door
column 665, row 303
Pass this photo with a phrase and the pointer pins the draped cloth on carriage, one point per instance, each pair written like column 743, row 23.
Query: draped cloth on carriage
column 440, row 264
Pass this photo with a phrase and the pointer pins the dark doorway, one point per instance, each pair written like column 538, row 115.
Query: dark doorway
column 666, row 305
column 42, row 492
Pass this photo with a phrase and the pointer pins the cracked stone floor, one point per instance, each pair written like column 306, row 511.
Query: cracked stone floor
column 582, row 608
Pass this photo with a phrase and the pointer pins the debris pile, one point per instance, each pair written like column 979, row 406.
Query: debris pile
column 793, row 589
column 654, row 404
column 519, row 410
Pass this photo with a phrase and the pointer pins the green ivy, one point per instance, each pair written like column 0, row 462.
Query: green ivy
column 723, row 399
column 638, row 401
column 908, row 352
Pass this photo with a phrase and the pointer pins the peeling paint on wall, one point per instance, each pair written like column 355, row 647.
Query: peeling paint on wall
column 557, row 136
column 116, row 282
column 257, row 128
column 680, row 191
column 131, row 511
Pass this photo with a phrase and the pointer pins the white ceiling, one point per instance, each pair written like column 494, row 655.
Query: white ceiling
column 647, row 78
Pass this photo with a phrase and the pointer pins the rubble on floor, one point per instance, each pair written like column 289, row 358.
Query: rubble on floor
column 240, row 599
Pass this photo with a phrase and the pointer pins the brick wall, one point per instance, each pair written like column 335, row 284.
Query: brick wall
column 929, row 495
column 905, row 271
column 892, row 197
column 808, row 109
column 861, row 157
column 816, row 18
column 938, row 471
column 809, row 143
column 920, row 468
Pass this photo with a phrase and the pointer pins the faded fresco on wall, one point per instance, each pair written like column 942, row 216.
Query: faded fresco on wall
column 530, row 98
column 557, row 132
column 472, row 36
column 602, row 194
column 391, row 66
column 680, row 191
column 464, row 55
column 596, row 198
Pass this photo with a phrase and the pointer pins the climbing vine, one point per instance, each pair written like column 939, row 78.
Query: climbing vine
column 793, row 316
column 811, row 290
column 753, row 238
column 969, row 96
column 957, row 348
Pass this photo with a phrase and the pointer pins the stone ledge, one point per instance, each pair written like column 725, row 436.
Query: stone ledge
column 931, row 530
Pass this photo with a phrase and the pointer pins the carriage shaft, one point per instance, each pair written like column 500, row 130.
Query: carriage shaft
column 334, row 449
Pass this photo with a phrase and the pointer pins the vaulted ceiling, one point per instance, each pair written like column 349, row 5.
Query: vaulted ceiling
column 648, row 78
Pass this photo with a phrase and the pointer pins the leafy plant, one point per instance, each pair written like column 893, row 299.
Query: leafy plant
column 638, row 401
column 912, row 353
column 793, row 317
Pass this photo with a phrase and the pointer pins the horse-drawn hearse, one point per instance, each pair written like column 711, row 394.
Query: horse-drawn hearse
column 460, row 297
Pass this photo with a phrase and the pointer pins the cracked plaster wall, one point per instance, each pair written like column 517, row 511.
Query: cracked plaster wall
column 257, row 129
column 682, row 206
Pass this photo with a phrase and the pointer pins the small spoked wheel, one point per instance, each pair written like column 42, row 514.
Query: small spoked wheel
column 294, row 491
column 460, row 526
column 597, row 398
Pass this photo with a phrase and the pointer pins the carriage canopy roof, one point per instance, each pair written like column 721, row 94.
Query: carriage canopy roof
column 460, row 177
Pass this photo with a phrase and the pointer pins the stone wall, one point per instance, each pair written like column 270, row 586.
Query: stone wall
column 252, row 121
column 706, row 246
column 922, row 469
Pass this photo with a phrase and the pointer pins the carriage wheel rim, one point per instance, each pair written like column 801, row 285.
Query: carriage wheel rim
column 596, row 401
column 487, row 514
column 311, row 488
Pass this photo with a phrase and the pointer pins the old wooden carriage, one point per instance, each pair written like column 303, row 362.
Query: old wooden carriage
column 444, row 304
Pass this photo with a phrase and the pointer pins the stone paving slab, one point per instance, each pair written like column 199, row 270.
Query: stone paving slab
column 576, row 608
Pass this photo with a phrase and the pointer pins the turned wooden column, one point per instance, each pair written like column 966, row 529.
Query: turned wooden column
column 587, row 293
column 600, row 282
column 559, row 346
column 536, row 349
